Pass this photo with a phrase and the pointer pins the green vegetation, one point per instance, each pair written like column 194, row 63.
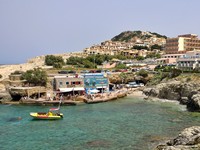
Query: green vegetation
column 168, row 73
column 153, row 55
column 55, row 61
column 37, row 77
column 140, row 47
column 142, row 73
column 120, row 66
column 92, row 61
column 140, row 58
column 158, row 35
column 156, row 46
column 1, row 76
column 123, row 77
column 127, row 36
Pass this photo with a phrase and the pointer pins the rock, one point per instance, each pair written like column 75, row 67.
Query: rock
column 188, row 139
column 187, row 93
column 151, row 92
column 184, row 100
column 179, row 147
column 5, row 96
column 194, row 103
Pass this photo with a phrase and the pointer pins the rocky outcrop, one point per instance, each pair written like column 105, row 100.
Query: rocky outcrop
column 194, row 101
column 188, row 139
column 18, row 92
column 186, row 93
column 4, row 96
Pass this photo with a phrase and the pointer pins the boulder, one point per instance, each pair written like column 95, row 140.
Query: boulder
column 188, row 139
column 151, row 92
column 194, row 103
column 184, row 100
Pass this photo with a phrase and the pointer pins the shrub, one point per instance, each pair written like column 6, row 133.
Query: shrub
column 143, row 73
column 174, row 72
column 37, row 76
column 51, row 60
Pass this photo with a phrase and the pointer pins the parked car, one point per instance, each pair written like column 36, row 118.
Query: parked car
column 134, row 85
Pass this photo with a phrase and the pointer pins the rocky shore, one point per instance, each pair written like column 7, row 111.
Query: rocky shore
column 184, row 92
column 188, row 139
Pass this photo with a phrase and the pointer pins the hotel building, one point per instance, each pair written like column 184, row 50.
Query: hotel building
column 182, row 44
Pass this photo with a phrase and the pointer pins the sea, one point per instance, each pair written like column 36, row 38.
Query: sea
column 126, row 124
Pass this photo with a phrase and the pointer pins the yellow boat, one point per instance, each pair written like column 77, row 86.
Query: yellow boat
column 52, row 114
column 46, row 116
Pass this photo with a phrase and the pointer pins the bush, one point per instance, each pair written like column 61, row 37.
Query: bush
column 174, row 72
column 120, row 66
column 57, row 65
column 51, row 60
column 143, row 73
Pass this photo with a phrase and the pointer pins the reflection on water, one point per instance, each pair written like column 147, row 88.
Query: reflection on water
column 128, row 123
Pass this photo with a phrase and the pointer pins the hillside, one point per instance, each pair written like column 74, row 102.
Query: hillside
column 133, row 36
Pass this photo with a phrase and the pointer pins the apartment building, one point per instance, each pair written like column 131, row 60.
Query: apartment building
column 182, row 44
column 189, row 61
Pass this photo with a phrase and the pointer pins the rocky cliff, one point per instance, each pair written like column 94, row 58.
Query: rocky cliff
column 187, row 93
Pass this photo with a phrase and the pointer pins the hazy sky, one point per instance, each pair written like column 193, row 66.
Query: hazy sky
column 30, row 28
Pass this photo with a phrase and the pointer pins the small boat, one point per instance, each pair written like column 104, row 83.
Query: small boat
column 52, row 114
column 46, row 116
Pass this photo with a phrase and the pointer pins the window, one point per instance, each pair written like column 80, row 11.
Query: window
column 78, row 82
column 73, row 83
column 67, row 83
column 61, row 83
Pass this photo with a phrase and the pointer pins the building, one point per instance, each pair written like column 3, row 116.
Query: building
column 182, row 44
column 190, row 61
column 169, row 58
column 95, row 81
column 133, row 53
column 66, row 84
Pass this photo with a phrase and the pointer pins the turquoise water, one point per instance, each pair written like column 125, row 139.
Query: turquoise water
column 125, row 124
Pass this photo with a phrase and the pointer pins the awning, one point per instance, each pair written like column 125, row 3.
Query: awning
column 65, row 89
column 71, row 89
column 93, row 91
column 78, row 89
column 100, row 87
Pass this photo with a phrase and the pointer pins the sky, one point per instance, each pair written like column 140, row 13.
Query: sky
column 30, row 28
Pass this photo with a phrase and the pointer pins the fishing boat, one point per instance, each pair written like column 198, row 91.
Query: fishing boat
column 52, row 114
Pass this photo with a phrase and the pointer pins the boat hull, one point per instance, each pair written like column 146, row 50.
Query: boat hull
column 45, row 116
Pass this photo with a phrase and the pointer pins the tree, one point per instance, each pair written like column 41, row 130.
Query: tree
column 37, row 77
column 123, row 77
column 55, row 61
column 156, row 46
